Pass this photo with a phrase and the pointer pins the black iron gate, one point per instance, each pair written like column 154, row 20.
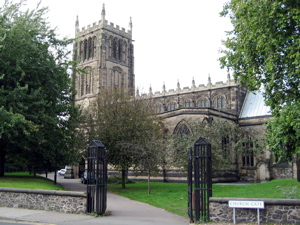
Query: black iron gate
column 199, row 188
column 96, row 178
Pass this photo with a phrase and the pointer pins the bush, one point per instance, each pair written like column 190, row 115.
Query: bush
column 117, row 179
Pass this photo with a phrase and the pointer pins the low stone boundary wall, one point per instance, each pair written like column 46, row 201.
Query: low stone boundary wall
column 50, row 200
column 279, row 211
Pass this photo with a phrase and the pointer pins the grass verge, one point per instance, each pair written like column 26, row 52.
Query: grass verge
column 173, row 196
column 27, row 181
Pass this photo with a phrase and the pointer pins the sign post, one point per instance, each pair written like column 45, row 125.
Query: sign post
column 246, row 205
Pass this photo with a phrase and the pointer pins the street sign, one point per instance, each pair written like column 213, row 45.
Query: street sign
column 246, row 204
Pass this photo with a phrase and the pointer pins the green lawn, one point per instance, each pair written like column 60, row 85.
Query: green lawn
column 169, row 196
column 27, row 181
column 173, row 196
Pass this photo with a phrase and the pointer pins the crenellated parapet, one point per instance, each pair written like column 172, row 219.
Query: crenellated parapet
column 192, row 89
column 108, row 26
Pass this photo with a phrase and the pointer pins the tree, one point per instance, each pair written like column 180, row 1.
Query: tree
column 37, row 113
column 128, row 128
column 262, row 50
column 227, row 141
column 150, row 153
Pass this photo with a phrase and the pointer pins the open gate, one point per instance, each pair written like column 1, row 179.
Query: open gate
column 199, row 180
column 96, row 178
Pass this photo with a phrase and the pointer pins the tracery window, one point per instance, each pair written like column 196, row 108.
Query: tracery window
column 120, row 48
column 219, row 102
column 90, row 48
column 158, row 108
column 203, row 103
column 117, row 78
column 114, row 49
column 248, row 153
column 85, row 50
column 182, row 129
column 124, row 59
column 172, row 106
column 187, row 103
column 225, row 145
column 85, row 82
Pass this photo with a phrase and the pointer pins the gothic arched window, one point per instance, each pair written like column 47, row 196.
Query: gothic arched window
column 85, row 82
column 120, row 50
column 124, row 59
column 117, row 78
column 159, row 108
column 110, row 47
column 172, row 106
column 225, row 144
column 81, row 49
column 85, row 50
column 187, row 103
column 248, row 153
column 90, row 48
column 115, row 48
column 202, row 103
column 219, row 102
column 182, row 128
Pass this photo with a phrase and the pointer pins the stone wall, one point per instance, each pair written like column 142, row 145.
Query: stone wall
column 279, row 211
column 50, row 200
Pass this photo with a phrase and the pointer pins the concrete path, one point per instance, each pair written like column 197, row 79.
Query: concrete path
column 120, row 210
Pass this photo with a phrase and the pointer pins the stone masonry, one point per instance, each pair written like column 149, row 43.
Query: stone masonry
column 278, row 211
column 49, row 200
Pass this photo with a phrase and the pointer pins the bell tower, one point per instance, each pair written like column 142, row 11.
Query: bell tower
column 106, row 53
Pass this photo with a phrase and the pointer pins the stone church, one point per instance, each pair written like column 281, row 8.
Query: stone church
column 106, row 52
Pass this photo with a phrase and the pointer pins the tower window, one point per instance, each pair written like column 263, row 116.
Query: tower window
column 90, row 48
column 85, row 51
column 85, row 82
column 114, row 48
column 120, row 50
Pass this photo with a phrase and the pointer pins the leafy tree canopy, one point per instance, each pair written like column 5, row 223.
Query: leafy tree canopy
column 227, row 141
column 36, row 98
column 262, row 50
column 129, row 130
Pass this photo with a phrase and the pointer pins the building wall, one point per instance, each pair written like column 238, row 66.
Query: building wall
column 106, row 52
column 62, row 201
column 276, row 211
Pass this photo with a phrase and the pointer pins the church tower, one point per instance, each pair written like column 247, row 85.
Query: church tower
column 105, row 52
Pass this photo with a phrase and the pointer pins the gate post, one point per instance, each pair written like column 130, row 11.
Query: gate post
column 96, row 178
column 199, row 164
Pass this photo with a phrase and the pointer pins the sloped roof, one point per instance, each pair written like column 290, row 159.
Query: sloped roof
column 254, row 106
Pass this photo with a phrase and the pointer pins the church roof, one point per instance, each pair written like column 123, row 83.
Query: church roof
column 254, row 106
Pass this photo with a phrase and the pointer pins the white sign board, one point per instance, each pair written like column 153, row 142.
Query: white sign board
column 246, row 204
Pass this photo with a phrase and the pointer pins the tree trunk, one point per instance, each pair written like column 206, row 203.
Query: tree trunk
column 298, row 167
column 123, row 179
column 2, row 161
column 55, row 177
column 149, row 186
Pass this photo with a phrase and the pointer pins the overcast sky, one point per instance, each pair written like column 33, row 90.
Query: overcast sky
column 174, row 40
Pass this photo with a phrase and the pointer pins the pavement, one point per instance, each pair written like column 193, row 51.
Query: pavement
column 120, row 211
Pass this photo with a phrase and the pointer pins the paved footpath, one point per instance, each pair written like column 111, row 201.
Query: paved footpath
column 120, row 210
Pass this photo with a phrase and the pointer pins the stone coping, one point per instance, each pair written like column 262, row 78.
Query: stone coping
column 44, row 192
column 267, row 201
